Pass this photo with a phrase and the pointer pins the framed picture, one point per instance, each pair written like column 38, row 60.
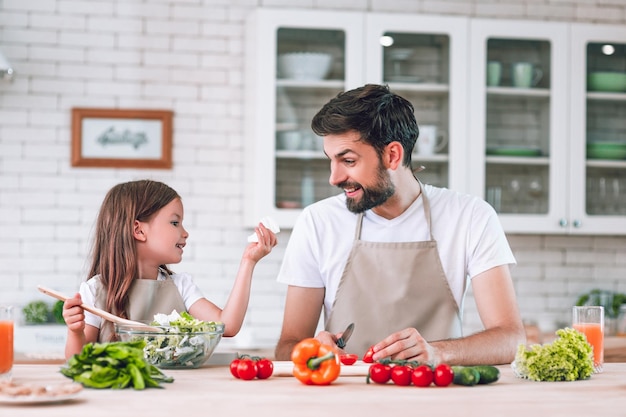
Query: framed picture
column 121, row 138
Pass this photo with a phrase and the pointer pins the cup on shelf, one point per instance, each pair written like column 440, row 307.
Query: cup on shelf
column 494, row 197
column 494, row 73
column 525, row 74
column 289, row 140
column 430, row 140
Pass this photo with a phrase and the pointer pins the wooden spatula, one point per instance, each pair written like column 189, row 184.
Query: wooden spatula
column 98, row 312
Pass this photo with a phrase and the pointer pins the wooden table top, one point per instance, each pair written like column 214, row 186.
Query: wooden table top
column 213, row 391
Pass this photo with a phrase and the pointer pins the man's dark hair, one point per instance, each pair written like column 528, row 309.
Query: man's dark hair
column 379, row 116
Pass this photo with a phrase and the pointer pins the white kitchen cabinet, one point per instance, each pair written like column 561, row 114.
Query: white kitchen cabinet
column 597, row 187
column 285, row 163
column 521, row 145
column 518, row 133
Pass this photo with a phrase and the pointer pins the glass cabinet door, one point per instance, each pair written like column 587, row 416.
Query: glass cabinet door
column 298, row 61
column 599, row 128
column 424, row 60
column 518, row 124
column 310, row 71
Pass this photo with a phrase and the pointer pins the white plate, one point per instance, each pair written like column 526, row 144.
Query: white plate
column 38, row 399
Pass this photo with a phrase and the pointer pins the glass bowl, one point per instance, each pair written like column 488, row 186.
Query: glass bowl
column 172, row 348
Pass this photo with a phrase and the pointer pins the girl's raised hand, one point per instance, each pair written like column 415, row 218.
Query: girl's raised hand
column 266, row 241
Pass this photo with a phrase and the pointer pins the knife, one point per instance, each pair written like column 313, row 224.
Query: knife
column 341, row 342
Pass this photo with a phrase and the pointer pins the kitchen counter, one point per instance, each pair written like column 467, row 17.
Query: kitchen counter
column 212, row 390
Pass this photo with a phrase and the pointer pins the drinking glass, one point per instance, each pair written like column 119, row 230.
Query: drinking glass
column 6, row 342
column 589, row 320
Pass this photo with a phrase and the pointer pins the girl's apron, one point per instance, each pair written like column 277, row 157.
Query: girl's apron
column 390, row 286
column 146, row 298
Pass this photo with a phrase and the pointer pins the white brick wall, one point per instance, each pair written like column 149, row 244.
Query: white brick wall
column 186, row 55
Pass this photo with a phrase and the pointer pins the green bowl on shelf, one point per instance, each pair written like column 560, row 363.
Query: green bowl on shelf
column 513, row 151
column 606, row 81
column 606, row 150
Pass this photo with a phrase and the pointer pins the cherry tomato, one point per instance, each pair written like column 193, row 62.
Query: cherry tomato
column 246, row 369
column 233, row 367
column 443, row 375
column 367, row 358
column 380, row 373
column 265, row 368
column 422, row 376
column 401, row 375
column 348, row 358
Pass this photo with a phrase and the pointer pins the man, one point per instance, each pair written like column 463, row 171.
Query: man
column 397, row 260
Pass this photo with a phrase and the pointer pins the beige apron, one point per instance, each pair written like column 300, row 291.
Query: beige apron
column 147, row 297
column 390, row 286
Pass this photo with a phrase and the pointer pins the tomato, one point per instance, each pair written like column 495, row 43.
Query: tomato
column 265, row 368
column 380, row 373
column 246, row 369
column 401, row 375
column 422, row 376
column 348, row 358
column 233, row 367
column 367, row 358
column 443, row 375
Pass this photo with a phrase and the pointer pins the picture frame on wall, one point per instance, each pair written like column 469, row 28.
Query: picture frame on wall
column 118, row 138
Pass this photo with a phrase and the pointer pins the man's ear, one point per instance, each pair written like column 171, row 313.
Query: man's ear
column 393, row 155
column 138, row 232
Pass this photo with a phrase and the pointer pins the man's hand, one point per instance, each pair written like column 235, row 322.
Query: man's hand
column 406, row 344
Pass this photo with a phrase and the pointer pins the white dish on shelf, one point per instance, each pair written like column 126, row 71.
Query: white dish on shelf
column 304, row 65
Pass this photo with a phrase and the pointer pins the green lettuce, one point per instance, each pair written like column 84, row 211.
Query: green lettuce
column 568, row 358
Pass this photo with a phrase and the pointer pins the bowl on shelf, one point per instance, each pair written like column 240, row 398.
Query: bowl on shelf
column 174, row 348
column 606, row 81
column 606, row 150
column 304, row 65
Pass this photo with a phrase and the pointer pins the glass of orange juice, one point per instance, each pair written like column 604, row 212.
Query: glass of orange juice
column 6, row 342
column 589, row 320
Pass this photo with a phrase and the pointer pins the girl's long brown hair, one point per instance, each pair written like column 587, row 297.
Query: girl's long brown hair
column 114, row 253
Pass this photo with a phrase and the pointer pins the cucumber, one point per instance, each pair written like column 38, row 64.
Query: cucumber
column 465, row 375
column 488, row 374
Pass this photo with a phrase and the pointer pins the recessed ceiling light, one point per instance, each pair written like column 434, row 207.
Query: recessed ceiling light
column 608, row 49
column 386, row 40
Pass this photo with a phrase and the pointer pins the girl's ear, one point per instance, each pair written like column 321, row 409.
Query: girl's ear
column 138, row 232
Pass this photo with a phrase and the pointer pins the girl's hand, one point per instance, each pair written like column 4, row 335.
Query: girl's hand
column 257, row 250
column 73, row 314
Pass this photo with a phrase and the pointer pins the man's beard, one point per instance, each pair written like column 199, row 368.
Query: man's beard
column 372, row 196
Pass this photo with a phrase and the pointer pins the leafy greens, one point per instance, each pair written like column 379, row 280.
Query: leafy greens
column 568, row 358
column 186, row 341
column 114, row 365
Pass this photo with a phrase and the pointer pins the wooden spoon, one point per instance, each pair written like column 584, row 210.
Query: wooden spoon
column 98, row 312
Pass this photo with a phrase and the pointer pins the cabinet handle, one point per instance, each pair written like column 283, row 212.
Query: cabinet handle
column 577, row 223
column 563, row 222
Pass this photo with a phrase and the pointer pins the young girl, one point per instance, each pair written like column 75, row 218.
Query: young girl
column 139, row 230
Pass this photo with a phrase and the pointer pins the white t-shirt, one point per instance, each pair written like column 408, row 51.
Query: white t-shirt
column 183, row 281
column 469, row 236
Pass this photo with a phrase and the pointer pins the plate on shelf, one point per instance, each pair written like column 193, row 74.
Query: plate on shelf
column 404, row 78
column 606, row 150
column 513, row 151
